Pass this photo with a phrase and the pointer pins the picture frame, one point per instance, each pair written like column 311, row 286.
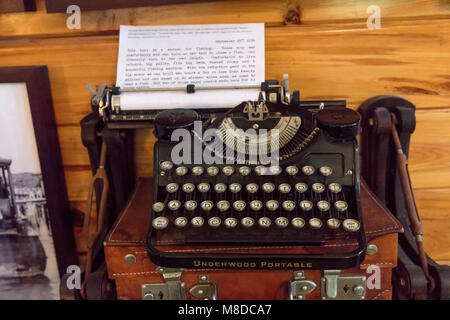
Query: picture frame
column 17, row 6
column 54, row 212
column 54, row 6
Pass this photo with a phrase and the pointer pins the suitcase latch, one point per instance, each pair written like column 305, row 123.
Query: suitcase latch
column 300, row 287
column 204, row 289
column 337, row 287
column 171, row 289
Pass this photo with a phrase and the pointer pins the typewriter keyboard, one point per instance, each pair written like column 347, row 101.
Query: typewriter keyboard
column 224, row 204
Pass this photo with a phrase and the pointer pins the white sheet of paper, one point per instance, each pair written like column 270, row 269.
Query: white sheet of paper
column 162, row 57
column 216, row 55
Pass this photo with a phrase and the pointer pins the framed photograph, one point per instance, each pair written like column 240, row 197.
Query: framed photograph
column 17, row 6
column 62, row 5
column 36, row 235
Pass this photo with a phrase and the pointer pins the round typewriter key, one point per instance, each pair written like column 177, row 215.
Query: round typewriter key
column 212, row 171
column 172, row 187
column 160, row 223
column 174, row 205
column 239, row 205
column 166, row 165
column 197, row 171
column 223, row 205
column 245, row 171
column 197, row 221
column 315, row 223
column 298, row 223
column 292, row 170
column 318, row 187
column 190, row 205
column 252, row 187
column 282, row 222
column 275, row 170
column 181, row 222
column 264, row 222
column 268, row 187
column 333, row 223
column 306, row 205
column 256, row 205
column 288, row 205
column 207, row 205
column 350, row 225
column 235, row 187
column 220, row 187
column 335, row 187
column 326, row 171
column 261, row 170
column 230, row 222
column 284, row 188
column 158, row 206
column 181, row 171
column 272, row 205
column 203, row 187
column 247, row 222
column 188, row 187
column 340, row 205
column 323, row 205
column 301, row 187
column 228, row 170
column 214, row 222
column 308, row 170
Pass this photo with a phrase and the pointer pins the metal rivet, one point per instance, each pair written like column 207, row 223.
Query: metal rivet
column 130, row 259
column 358, row 290
column 203, row 278
column 372, row 249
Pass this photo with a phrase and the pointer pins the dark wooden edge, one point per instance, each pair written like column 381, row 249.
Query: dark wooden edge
column 41, row 107
column 61, row 5
column 29, row 5
column 17, row 6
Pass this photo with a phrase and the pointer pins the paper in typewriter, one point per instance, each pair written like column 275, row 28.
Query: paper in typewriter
column 227, row 59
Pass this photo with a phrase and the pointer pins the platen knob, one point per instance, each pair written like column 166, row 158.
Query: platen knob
column 339, row 122
column 169, row 120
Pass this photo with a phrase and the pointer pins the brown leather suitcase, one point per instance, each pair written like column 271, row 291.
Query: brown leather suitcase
column 136, row 277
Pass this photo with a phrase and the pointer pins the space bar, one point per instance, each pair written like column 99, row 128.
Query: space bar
column 199, row 240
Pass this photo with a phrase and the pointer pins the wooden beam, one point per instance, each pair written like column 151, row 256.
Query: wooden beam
column 271, row 12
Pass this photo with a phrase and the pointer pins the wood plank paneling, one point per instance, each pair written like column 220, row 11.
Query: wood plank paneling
column 273, row 13
column 347, row 62
column 429, row 154
column 77, row 180
column 72, row 150
column 434, row 209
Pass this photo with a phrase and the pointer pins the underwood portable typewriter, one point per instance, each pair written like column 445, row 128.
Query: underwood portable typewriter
column 276, row 173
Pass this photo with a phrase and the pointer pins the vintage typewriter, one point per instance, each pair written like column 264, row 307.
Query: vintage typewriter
column 281, row 173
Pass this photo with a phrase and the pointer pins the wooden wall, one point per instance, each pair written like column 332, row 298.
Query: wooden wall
column 324, row 45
